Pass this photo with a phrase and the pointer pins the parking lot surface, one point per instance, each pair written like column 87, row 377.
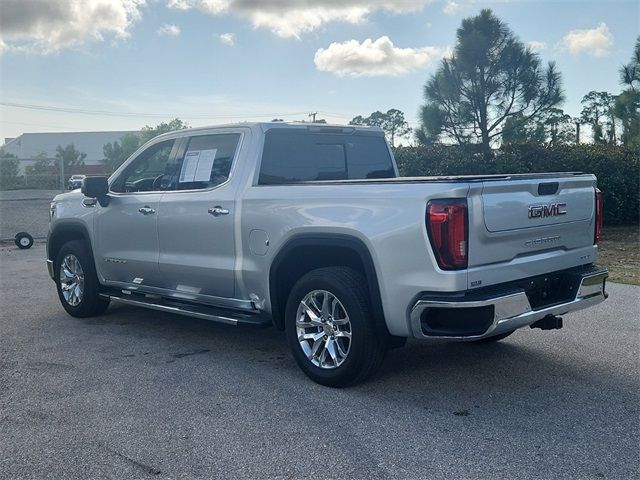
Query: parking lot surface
column 140, row 394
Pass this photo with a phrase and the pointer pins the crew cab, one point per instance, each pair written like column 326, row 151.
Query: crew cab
column 309, row 228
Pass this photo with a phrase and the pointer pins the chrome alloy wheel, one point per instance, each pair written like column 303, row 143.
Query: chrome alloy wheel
column 323, row 329
column 71, row 280
column 24, row 241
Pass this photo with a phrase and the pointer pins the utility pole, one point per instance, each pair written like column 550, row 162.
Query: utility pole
column 312, row 115
column 61, row 173
column 577, row 132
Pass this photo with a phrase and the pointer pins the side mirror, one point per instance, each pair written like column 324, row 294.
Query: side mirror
column 96, row 187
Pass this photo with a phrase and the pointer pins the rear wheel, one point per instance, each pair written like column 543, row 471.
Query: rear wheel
column 330, row 328
column 77, row 281
column 494, row 338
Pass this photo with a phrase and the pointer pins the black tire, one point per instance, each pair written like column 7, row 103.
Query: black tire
column 23, row 240
column 367, row 346
column 91, row 303
column 493, row 339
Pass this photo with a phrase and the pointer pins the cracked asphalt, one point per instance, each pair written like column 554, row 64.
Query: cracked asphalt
column 140, row 394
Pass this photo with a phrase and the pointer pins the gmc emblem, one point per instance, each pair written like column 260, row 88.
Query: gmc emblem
column 543, row 211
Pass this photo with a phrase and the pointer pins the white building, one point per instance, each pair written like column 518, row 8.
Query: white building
column 31, row 145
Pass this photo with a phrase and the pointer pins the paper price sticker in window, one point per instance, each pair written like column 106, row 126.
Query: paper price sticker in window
column 197, row 165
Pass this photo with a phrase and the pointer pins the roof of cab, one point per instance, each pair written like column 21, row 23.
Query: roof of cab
column 265, row 126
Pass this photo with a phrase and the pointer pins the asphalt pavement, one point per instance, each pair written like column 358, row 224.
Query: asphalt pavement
column 141, row 394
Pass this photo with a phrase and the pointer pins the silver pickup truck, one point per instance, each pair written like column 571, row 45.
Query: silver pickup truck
column 309, row 228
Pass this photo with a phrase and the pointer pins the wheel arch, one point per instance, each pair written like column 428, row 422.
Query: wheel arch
column 294, row 260
column 65, row 231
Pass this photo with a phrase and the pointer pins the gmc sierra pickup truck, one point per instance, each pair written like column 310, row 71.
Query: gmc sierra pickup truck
column 309, row 228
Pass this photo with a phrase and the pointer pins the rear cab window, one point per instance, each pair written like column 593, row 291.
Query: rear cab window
column 297, row 155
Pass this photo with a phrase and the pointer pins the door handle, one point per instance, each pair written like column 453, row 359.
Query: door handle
column 146, row 210
column 217, row 211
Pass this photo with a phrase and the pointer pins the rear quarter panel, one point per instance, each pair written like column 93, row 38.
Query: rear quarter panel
column 389, row 219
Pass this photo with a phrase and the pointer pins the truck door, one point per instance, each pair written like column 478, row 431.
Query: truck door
column 126, row 230
column 196, row 218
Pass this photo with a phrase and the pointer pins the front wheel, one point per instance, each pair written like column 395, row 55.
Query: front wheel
column 330, row 328
column 77, row 282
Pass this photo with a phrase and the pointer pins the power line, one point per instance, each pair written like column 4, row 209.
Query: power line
column 51, row 108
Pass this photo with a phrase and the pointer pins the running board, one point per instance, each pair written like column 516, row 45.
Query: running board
column 214, row 314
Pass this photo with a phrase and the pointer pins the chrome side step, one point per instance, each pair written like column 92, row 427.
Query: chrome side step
column 220, row 315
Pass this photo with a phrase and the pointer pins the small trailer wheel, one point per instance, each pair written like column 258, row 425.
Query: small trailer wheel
column 23, row 240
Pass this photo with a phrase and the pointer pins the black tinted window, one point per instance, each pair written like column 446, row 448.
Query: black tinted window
column 299, row 156
column 205, row 163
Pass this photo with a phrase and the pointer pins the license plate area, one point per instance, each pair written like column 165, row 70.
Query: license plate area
column 550, row 289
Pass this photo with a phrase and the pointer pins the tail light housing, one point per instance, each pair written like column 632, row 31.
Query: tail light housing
column 599, row 213
column 448, row 226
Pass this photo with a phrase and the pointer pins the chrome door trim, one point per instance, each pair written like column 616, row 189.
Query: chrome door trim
column 235, row 303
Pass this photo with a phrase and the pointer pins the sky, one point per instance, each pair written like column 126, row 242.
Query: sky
column 93, row 65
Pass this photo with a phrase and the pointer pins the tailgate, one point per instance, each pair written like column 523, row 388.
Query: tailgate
column 522, row 227
column 514, row 204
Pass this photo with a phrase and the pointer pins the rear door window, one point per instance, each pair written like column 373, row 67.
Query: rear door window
column 205, row 163
column 300, row 156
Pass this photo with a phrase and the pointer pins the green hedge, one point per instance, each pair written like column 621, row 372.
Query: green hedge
column 617, row 168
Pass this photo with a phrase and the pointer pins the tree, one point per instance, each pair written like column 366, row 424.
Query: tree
column 517, row 131
column 9, row 169
column 392, row 122
column 490, row 77
column 117, row 152
column 630, row 73
column 70, row 157
column 555, row 128
column 39, row 175
column 627, row 109
column 395, row 125
column 147, row 132
column 559, row 127
column 597, row 111
column 627, row 104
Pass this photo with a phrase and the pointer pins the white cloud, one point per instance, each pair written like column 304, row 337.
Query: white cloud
column 48, row 26
column 227, row 39
column 451, row 7
column 373, row 58
column 537, row 45
column 596, row 41
column 292, row 18
column 179, row 4
column 169, row 30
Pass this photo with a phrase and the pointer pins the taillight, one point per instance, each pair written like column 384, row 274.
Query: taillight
column 599, row 206
column 447, row 226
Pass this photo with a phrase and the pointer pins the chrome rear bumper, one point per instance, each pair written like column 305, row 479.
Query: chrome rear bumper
column 513, row 310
